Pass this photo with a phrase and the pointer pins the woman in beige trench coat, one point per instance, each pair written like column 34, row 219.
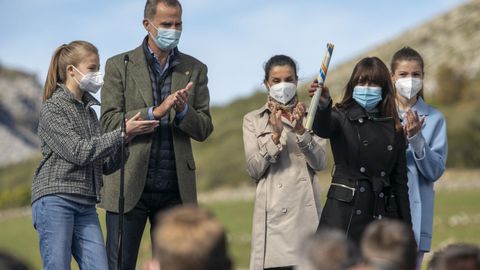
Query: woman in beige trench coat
column 282, row 158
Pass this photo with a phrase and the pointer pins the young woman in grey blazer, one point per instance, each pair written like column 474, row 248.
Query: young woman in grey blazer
column 67, row 182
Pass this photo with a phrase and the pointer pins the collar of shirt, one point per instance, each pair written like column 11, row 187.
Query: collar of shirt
column 421, row 107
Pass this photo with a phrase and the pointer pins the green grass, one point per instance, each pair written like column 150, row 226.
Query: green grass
column 17, row 235
column 457, row 219
column 15, row 183
column 237, row 218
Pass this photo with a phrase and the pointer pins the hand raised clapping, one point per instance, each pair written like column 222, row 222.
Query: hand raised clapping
column 414, row 123
column 275, row 121
column 298, row 115
column 177, row 100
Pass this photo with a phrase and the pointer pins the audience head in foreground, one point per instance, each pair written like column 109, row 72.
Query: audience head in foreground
column 456, row 257
column 189, row 238
column 389, row 245
column 328, row 249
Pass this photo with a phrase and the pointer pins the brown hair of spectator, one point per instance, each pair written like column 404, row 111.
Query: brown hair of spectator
column 329, row 249
column 389, row 244
column 457, row 256
column 190, row 238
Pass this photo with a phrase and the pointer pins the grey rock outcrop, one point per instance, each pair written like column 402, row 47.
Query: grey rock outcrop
column 20, row 101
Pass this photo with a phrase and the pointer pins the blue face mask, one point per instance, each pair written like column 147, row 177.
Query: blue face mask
column 166, row 39
column 367, row 96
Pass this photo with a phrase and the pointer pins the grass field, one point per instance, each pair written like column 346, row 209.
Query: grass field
column 457, row 219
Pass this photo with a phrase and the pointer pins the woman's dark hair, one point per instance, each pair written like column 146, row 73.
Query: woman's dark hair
column 407, row 54
column 279, row 60
column 373, row 70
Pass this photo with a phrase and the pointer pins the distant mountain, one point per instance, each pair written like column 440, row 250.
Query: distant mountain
column 20, row 101
column 451, row 39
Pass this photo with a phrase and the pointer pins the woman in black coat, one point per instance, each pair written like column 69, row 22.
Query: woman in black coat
column 369, row 180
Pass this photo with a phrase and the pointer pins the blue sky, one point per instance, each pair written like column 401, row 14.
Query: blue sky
column 234, row 38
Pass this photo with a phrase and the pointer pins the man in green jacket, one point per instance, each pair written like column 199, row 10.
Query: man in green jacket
column 164, row 84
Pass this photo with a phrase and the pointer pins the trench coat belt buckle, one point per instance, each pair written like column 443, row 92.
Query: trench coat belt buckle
column 344, row 186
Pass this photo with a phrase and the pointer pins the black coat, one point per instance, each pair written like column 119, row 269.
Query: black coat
column 369, row 180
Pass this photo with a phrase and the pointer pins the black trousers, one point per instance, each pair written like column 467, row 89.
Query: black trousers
column 149, row 205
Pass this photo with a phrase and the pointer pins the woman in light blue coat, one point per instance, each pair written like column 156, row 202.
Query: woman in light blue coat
column 426, row 132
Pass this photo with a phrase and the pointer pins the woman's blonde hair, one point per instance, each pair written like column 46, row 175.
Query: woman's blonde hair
column 65, row 55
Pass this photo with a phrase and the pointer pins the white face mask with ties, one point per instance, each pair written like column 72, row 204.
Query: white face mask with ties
column 409, row 87
column 90, row 82
column 283, row 92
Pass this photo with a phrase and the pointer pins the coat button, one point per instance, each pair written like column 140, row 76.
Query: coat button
column 381, row 195
column 279, row 185
column 382, row 174
column 358, row 212
column 365, row 142
column 360, row 120
column 284, row 210
column 389, row 147
column 362, row 169
column 362, row 189
column 310, row 146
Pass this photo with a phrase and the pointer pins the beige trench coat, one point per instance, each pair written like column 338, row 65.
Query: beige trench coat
column 287, row 203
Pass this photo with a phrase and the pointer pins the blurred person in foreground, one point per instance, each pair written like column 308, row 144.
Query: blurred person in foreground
column 456, row 257
column 9, row 262
column 389, row 245
column 328, row 249
column 189, row 238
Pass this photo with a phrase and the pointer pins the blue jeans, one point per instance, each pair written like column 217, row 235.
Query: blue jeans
column 67, row 228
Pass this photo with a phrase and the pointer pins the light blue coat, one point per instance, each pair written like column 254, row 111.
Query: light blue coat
column 424, row 171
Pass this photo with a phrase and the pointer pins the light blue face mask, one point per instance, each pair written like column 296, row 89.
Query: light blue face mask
column 367, row 96
column 166, row 39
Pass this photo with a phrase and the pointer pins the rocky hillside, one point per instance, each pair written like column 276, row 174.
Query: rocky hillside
column 451, row 39
column 20, row 101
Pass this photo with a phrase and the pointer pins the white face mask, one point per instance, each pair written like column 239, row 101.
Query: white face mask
column 90, row 82
column 409, row 87
column 283, row 92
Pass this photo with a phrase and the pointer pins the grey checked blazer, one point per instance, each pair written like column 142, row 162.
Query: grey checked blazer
column 74, row 152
